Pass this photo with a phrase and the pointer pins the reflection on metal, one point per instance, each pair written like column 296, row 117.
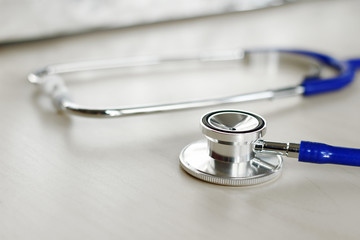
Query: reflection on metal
column 227, row 157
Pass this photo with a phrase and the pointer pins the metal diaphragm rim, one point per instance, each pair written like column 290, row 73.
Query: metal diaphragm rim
column 195, row 160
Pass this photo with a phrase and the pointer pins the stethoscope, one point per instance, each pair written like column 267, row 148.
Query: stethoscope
column 234, row 153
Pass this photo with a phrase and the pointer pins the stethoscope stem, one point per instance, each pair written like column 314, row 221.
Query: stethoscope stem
column 311, row 152
column 278, row 148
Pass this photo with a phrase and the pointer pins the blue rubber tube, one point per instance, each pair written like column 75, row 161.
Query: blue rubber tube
column 316, row 85
column 313, row 152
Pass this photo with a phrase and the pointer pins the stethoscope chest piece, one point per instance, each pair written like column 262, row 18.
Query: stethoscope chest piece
column 226, row 156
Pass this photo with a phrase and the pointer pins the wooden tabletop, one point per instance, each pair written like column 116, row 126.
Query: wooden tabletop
column 66, row 177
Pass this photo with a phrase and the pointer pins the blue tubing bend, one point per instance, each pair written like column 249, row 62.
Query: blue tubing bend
column 314, row 85
column 347, row 69
column 313, row 152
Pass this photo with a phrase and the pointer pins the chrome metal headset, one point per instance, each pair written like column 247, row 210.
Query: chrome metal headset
column 235, row 153
column 312, row 85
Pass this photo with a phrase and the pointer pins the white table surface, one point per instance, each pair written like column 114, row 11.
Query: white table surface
column 75, row 178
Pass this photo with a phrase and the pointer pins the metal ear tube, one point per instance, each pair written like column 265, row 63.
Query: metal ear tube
column 311, row 84
column 234, row 153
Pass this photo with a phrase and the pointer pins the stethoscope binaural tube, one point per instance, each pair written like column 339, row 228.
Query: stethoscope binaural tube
column 50, row 81
column 236, row 154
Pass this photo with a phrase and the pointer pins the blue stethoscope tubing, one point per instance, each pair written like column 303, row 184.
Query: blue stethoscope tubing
column 314, row 85
column 347, row 70
column 314, row 152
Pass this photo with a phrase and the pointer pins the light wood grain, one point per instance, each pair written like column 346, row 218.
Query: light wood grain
column 74, row 178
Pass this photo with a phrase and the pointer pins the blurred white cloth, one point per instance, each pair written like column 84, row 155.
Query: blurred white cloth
column 33, row 19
